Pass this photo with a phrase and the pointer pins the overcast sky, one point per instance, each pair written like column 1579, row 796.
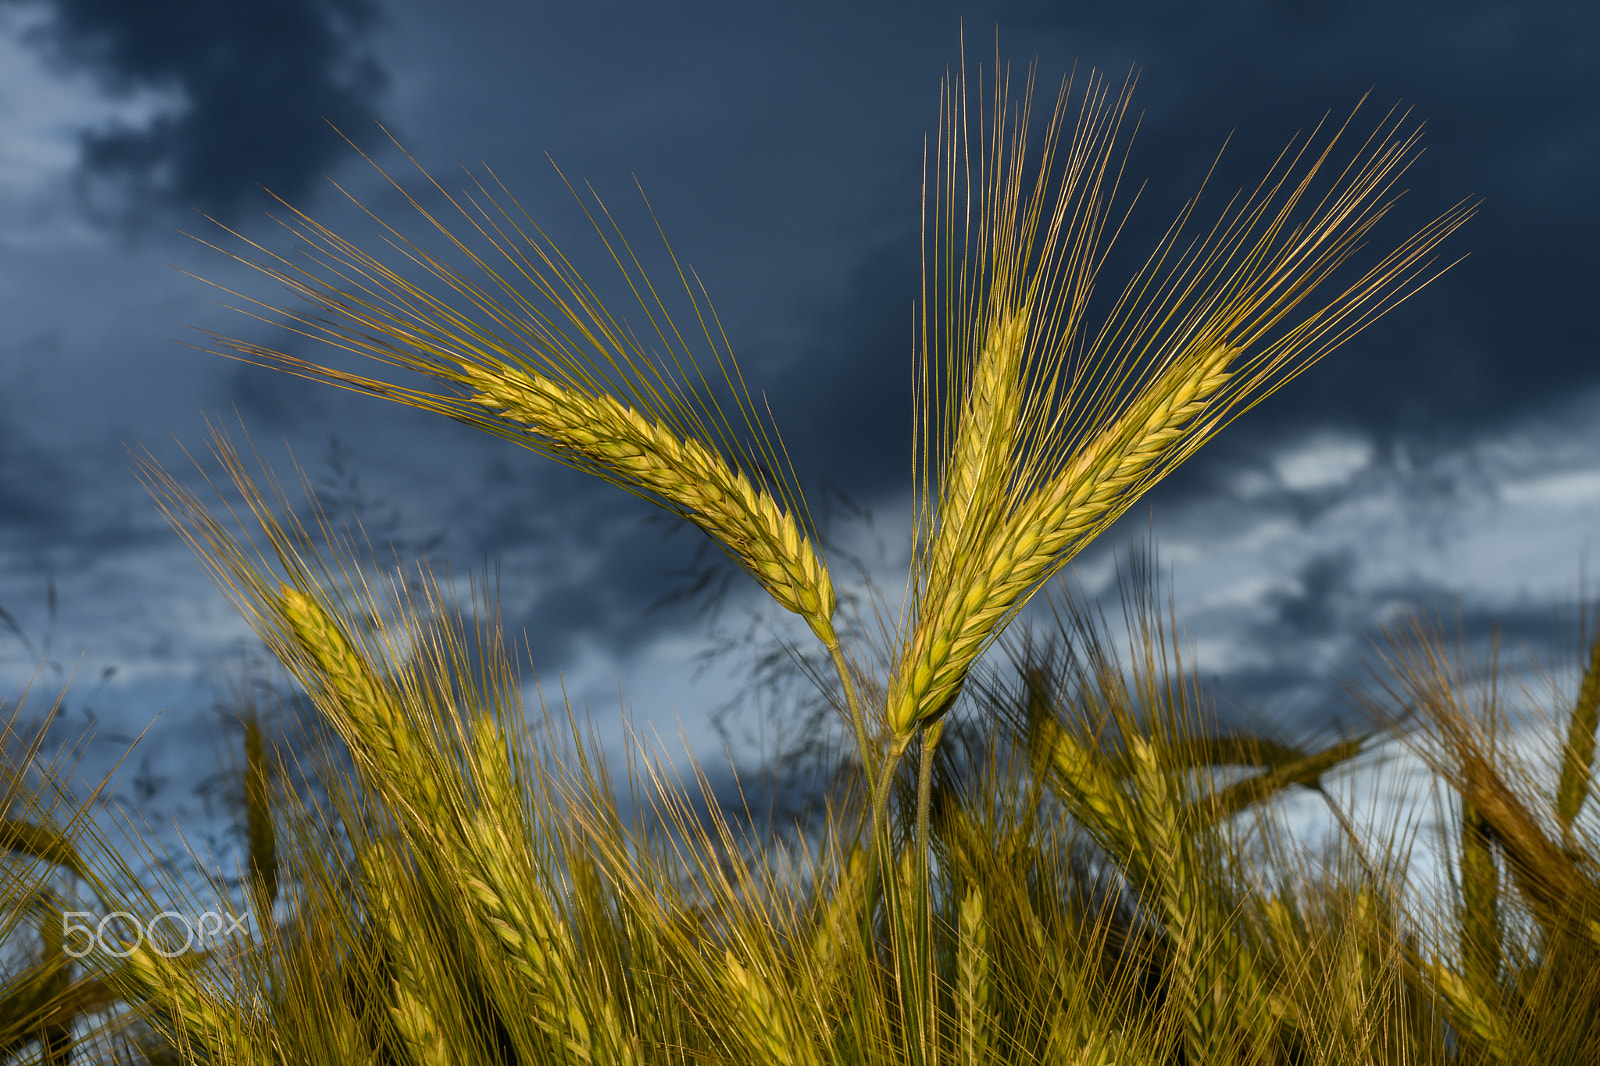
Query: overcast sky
column 1448, row 456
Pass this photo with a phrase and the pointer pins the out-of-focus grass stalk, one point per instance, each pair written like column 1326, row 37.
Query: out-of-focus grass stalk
column 1480, row 902
column 1577, row 755
column 260, row 834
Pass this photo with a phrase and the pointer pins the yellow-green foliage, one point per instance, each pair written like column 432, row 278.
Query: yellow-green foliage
column 1109, row 883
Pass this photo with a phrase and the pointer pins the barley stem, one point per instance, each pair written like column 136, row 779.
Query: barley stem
column 879, row 855
column 927, row 1007
column 858, row 719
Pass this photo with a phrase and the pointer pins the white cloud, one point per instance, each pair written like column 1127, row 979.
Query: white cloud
column 42, row 112
column 1323, row 462
column 1569, row 489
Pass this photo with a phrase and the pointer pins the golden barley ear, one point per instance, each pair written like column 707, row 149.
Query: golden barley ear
column 34, row 1008
column 528, row 353
column 1034, row 433
column 369, row 714
column 1577, row 755
column 978, row 467
column 1481, row 936
column 1457, row 741
column 260, row 831
column 1478, row 1020
column 1305, row 770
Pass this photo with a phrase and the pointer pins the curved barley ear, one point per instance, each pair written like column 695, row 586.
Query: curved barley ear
column 528, row 353
column 1035, row 432
column 689, row 476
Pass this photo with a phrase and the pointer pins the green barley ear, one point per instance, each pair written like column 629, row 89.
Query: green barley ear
column 835, row 922
column 770, row 1031
column 204, row 1026
column 1480, row 902
column 1577, row 756
column 258, row 820
column 974, row 984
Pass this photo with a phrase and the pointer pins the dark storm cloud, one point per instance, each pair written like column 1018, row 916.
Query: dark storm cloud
column 853, row 377
column 35, row 493
column 1508, row 93
column 1324, row 655
column 257, row 79
column 1312, row 609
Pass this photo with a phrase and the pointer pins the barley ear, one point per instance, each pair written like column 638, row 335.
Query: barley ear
column 962, row 613
column 55, row 1035
column 535, row 941
column 40, row 842
column 834, row 924
column 693, row 479
column 1480, row 902
column 368, row 716
column 1260, row 787
column 199, row 1018
column 973, row 982
column 1165, row 858
column 1577, row 757
column 979, row 465
column 770, row 1030
column 1476, row 1018
column 412, row 1006
column 258, row 822
column 1090, row 794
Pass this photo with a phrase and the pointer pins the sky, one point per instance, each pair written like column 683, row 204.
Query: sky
column 1446, row 458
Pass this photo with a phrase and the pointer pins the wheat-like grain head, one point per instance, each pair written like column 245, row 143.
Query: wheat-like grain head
column 531, row 355
column 258, row 818
column 698, row 482
column 1577, row 755
column 1080, row 424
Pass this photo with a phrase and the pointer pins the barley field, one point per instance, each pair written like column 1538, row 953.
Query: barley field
column 1045, row 846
